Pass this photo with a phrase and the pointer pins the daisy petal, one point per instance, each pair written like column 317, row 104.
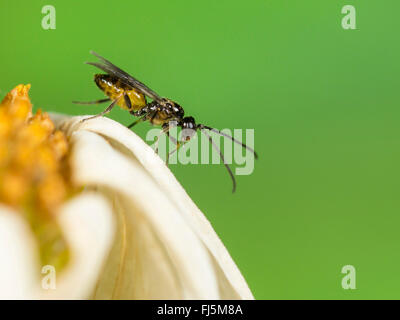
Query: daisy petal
column 19, row 267
column 161, row 256
column 230, row 281
column 88, row 225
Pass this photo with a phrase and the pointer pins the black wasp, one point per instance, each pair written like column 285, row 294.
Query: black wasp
column 130, row 94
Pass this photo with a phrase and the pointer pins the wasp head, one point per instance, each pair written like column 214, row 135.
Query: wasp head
column 189, row 127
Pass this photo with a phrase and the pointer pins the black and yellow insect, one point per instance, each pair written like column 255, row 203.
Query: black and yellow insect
column 130, row 94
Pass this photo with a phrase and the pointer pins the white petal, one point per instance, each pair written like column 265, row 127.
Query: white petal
column 19, row 266
column 230, row 281
column 88, row 226
column 162, row 238
column 139, row 266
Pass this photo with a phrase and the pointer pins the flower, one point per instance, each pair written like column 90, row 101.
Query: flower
column 114, row 224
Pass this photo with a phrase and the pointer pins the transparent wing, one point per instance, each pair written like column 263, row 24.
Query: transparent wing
column 113, row 70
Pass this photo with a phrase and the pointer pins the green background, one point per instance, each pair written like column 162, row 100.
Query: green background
column 324, row 103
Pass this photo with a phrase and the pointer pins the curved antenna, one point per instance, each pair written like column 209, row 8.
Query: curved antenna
column 201, row 126
column 222, row 158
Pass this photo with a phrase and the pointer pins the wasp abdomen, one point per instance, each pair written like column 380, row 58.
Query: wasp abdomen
column 115, row 89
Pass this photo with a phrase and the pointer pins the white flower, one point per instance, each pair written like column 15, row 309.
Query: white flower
column 132, row 232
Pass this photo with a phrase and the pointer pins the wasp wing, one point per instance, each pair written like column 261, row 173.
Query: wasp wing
column 113, row 70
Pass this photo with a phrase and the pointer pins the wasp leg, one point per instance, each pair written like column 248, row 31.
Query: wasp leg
column 109, row 108
column 92, row 102
column 134, row 123
column 172, row 138
column 152, row 116
column 145, row 117
column 178, row 145
column 165, row 129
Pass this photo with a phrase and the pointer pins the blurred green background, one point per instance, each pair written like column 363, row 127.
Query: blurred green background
column 324, row 103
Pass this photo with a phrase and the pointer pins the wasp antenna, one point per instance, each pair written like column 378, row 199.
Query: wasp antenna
column 223, row 160
column 201, row 126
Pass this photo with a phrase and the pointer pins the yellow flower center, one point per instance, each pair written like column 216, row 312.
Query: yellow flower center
column 34, row 171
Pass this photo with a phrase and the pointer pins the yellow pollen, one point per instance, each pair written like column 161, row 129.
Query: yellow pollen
column 34, row 170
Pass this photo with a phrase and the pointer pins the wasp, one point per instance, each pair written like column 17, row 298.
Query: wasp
column 130, row 94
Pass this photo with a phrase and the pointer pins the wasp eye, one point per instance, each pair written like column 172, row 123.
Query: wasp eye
column 188, row 123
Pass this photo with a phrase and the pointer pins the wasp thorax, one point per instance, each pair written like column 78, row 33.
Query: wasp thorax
column 176, row 108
